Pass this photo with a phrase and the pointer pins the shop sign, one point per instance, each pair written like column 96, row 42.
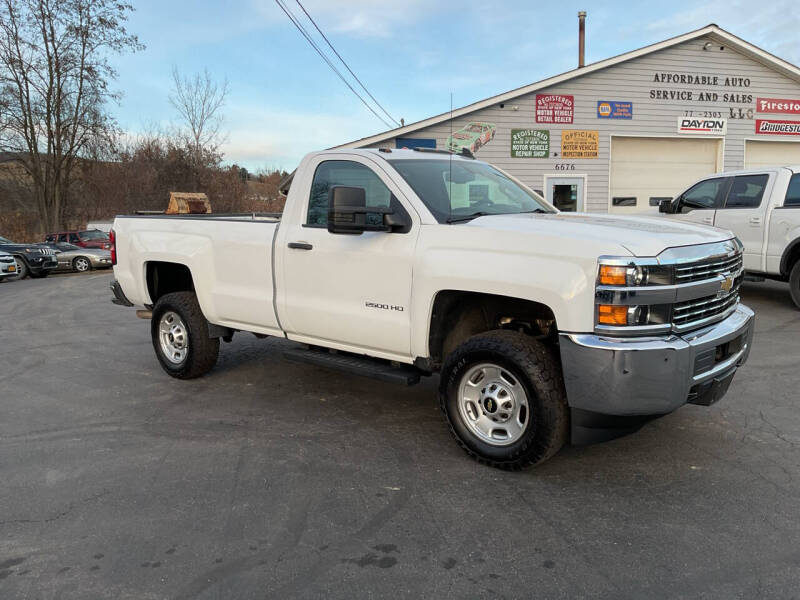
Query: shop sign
column 613, row 109
column 778, row 106
column 773, row 127
column 579, row 144
column 530, row 143
column 554, row 108
column 700, row 126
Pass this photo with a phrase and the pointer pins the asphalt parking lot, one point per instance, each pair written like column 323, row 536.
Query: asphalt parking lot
column 268, row 479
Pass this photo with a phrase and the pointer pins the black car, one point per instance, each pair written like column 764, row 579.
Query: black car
column 33, row 260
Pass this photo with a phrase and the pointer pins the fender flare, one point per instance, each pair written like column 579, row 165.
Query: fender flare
column 786, row 254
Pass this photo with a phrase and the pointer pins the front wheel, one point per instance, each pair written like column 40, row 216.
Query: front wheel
column 180, row 336
column 794, row 284
column 22, row 269
column 503, row 396
column 81, row 264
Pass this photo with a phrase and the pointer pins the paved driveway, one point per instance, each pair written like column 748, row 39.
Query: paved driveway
column 267, row 479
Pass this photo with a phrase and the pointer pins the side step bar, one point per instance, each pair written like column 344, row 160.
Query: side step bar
column 355, row 365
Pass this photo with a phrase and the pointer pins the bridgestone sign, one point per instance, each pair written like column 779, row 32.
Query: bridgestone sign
column 769, row 127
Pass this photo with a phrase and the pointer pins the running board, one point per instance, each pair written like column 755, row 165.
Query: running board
column 355, row 365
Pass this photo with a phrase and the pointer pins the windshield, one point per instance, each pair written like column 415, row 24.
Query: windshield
column 66, row 246
column 94, row 234
column 459, row 189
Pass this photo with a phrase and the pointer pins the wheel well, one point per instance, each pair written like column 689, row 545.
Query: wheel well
column 791, row 256
column 165, row 278
column 458, row 315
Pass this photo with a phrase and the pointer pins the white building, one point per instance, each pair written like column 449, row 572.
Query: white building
column 620, row 134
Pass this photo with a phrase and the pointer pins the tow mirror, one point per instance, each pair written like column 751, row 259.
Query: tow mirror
column 665, row 206
column 348, row 213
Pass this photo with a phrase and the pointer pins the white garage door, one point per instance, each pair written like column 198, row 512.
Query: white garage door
column 760, row 154
column 653, row 168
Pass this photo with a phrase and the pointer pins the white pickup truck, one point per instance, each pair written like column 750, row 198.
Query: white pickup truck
column 761, row 207
column 544, row 327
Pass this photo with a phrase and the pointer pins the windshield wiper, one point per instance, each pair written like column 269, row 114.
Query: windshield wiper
column 469, row 217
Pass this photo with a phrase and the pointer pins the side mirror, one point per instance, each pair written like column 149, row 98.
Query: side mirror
column 348, row 211
column 665, row 206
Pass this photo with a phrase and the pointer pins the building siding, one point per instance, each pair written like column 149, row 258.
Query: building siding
column 630, row 81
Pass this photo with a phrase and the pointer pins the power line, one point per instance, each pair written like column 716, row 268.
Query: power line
column 324, row 37
column 310, row 40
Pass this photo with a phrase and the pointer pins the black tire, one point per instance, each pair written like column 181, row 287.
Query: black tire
column 81, row 264
column 202, row 352
column 794, row 284
column 539, row 372
column 22, row 269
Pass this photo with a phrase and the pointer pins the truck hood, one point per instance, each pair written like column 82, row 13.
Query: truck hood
column 641, row 236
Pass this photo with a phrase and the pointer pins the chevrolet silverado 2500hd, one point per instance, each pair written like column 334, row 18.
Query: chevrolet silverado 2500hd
column 544, row 326
column 761, row 207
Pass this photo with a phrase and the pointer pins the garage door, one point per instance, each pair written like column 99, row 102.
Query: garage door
column 644, row 170
column 760, row 154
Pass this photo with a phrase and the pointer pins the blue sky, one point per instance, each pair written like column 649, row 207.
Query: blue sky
column 284, row 101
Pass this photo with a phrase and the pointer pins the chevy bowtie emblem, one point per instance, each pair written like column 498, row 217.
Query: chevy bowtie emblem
column 725, row 286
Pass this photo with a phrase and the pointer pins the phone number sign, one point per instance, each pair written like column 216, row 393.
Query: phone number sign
column 554, row 108
column 530, row 143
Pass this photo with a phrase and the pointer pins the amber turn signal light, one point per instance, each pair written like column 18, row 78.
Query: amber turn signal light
column 608, row 314
column 612, row 275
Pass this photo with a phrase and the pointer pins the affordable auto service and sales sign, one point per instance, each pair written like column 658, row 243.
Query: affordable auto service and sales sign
column 554, row 108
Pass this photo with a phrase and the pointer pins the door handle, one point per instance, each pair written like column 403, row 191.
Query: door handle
column 708, row 220
column 300, row 246
column 755, row 221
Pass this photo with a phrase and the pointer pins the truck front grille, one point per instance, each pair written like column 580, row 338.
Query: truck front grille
column 708, row 269
column 698, row 311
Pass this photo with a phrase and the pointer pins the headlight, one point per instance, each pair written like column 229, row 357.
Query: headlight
column 633, row 274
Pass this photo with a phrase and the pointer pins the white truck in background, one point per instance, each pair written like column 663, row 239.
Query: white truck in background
column 761, row 207
column 544, row 327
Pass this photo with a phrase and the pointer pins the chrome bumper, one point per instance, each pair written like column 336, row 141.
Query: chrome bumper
column 654, row 375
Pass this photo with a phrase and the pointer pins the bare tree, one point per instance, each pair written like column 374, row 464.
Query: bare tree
column 199, row 100
column 54, row 78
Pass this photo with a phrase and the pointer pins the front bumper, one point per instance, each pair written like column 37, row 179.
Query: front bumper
column 47, row 264
column 650, row 376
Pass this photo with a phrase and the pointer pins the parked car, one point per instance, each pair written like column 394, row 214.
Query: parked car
column 89, row 238
column 8, row 266
column 544, row 326
column 74, row 258
column 31, row 259
column 471, row 137
column 762, row 207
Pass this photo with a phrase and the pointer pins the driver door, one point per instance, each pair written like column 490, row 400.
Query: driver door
column 700, row 202
column 349, row 291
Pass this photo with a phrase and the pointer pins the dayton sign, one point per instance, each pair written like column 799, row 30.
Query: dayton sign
column 697, row 126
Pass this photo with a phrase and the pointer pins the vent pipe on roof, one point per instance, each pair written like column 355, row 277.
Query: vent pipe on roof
column 581, row 38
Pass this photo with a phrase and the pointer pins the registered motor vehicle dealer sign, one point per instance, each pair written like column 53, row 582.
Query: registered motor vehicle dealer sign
column 698, row 126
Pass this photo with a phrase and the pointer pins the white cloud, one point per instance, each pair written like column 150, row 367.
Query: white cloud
column 275, row 136
column 360, row 18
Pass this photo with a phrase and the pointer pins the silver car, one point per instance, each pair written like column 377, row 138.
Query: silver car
column 74, row 258
column 8, row 265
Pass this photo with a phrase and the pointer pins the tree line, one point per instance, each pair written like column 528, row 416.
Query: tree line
column 63, row 158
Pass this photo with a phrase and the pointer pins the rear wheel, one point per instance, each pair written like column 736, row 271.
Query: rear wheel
column 22, row 269
column 794, row 284
column 81, row 264
column 180, row 336
column 503, row 396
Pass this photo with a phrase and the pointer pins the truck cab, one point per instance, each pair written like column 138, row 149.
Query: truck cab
column 760, row 206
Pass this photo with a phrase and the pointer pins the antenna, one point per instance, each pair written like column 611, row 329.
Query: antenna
column 450, row 178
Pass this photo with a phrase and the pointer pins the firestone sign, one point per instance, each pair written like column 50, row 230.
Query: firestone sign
column 698, row 126
column 554, row 108
column 778, row 106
